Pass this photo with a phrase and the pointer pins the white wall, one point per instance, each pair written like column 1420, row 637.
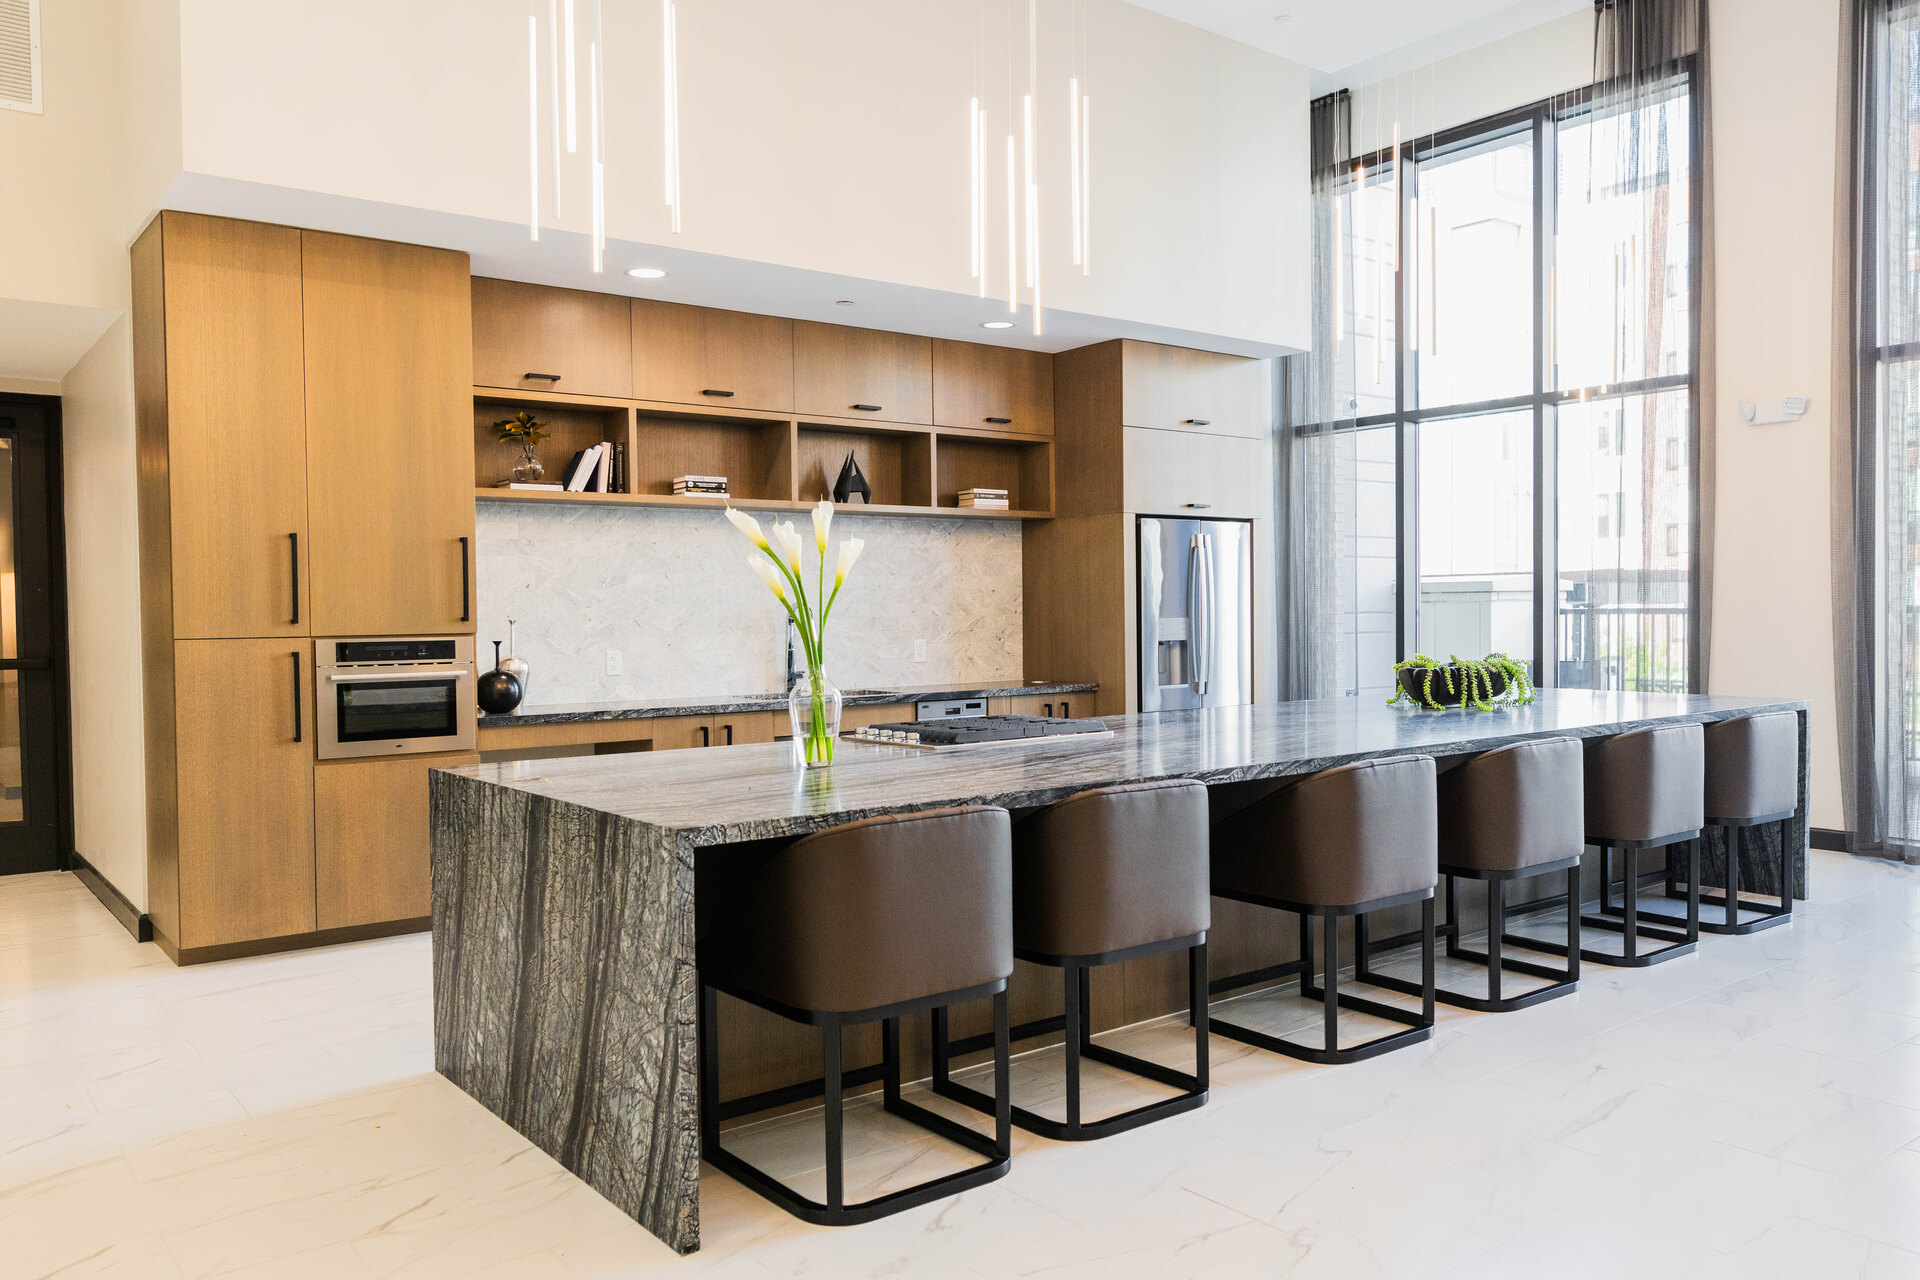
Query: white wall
column 103, row 627
column 1775, row 100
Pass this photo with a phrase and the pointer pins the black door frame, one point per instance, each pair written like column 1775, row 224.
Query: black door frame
column 40, row 416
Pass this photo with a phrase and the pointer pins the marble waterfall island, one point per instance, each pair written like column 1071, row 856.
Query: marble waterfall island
column 564, row 889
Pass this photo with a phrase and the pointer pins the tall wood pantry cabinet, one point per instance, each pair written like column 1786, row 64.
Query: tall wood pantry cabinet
column 303, row 426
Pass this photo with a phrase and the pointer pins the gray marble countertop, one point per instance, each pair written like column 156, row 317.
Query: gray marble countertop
column 737, row 704
column 751, row 792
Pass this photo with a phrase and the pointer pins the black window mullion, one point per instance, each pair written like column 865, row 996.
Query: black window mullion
column 1546, row 486
column 1407, row 436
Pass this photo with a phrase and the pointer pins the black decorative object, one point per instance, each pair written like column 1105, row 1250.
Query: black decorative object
column 851, row 482
column 498, row 691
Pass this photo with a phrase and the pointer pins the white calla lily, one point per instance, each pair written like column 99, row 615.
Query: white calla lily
column 747, row 525
column 822, row 521
column 849, row 552
column 789, row 541
column 769, row 575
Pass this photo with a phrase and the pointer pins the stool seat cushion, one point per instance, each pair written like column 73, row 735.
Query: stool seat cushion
column 1339, row 838
column 874, row 913
column 1514, row 807
column 1112, row 868
column 1753, row 766
column 1646, row 784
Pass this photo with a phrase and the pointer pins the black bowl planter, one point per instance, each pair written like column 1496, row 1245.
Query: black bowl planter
column 1413, row 682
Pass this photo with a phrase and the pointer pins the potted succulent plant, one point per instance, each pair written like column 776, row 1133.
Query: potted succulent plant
column 526, row 431
column 1462, row 682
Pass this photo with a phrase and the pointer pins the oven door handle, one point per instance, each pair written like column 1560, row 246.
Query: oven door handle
column 336, row 678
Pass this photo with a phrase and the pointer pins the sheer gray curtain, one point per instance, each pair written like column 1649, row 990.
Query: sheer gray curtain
column 1314, row 499
column 1880, row 724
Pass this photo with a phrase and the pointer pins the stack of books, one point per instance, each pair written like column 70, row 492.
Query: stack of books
column 716, row 485
column 598, row 468
column 984, row 499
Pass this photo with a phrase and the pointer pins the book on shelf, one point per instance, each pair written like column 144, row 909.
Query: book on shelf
column 602, row 470
column 983, row 504
column 580, row 472
column 620, row 466
column 528, row 484
column 716, row 485
column 982, row 493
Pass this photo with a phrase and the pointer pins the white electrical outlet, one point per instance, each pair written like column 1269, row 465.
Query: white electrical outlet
column 613, row 662
column 919, row 650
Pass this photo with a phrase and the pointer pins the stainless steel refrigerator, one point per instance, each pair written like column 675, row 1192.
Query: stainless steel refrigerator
column 1196, row 613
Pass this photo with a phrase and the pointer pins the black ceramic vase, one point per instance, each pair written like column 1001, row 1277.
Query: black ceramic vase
column 498, row 691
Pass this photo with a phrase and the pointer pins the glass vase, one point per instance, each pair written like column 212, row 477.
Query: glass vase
column 528, row 470
column 813, row 705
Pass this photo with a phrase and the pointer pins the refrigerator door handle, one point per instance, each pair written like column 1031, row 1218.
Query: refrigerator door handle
column 1211, row 606
column 1196, row 612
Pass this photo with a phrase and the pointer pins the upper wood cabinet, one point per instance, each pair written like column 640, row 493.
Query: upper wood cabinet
column 389, row 437
column 996, row 388
column 859, row 373
column 1175, row 389
column 233, row 412
column 700, row 355
column 535, row 337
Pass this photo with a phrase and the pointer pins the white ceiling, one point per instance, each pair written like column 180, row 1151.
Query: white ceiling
column 1349, row 42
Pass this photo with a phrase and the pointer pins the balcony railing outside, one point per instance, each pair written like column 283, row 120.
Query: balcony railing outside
column 1634, row 648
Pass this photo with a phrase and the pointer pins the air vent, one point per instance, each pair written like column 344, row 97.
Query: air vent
column 20, row 55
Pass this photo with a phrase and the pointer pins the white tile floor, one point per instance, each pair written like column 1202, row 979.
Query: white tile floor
column 1752, row 1111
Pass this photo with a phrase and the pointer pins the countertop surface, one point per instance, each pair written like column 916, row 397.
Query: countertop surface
column 751, row 792
column 572, row 712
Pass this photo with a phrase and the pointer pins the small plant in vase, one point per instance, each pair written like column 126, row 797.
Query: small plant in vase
column 526, row 431
column 1462, row 682
column 813, row 704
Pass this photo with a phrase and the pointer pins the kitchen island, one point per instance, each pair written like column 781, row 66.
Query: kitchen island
column 564, row 890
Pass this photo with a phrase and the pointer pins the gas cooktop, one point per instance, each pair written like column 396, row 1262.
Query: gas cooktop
column 935, row 735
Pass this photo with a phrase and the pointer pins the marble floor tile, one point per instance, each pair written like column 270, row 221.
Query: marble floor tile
column 1750, row 1110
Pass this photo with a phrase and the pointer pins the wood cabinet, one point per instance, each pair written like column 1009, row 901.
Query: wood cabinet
column 235, row 430
column 674, row 733
column 700, row 355
column 244, row 735
column 854, row 373
column 534, row 337
column 389, row 436
column 1175, row 389
column 372, row 846
column 1051, row 705
column 993, row 388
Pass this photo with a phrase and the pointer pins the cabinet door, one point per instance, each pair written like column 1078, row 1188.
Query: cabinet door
column 738, row 730
column 1177, row 474
column 236, row 427
column 1035, row 704
column 372, row 848
column 389, row 437
column 674, row 733
column 698, row 355
column 546, row 339
column 861, row 373
column 244, row 741
column 995, row 388
column 1174, row 389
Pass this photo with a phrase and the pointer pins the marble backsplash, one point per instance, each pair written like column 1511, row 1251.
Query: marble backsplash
column 672, row 591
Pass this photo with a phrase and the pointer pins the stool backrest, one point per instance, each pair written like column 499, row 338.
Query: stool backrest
column 1646, row 784
column 1753, row 766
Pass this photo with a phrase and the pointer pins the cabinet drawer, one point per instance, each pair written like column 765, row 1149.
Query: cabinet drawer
column 996, row 388
column 673, row 733
column 582, row 340
column 699, row 355
column 861, row 373
column 1182, row 474
column 1175, row 389
column 372, row 847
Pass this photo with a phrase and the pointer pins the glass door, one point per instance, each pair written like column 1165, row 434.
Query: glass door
column 32, row 746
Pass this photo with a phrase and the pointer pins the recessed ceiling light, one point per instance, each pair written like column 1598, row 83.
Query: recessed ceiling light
column 843, row 302
column 645, row 273
column 996, row 324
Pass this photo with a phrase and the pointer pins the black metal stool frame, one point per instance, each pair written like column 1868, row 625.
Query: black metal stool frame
column 1562, row 981
column 832, row 1085
column 1419, row 1026
column 1077, row 1024
column 1768, row 914
column 1626, row 919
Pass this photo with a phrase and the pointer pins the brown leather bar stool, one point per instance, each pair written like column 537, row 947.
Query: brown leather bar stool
column 1643, row 791
column 866, row 923
column 1753, row 778
column 1506, row 815
column 1104, row 876
column 1343, row 842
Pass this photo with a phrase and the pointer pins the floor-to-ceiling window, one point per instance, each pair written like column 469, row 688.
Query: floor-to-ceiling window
column 1517, row 455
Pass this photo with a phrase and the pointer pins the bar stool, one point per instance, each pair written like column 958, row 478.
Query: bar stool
column 1643, row 791
column 1107, row 875
column 1506, row 815
column 862, row 923
column 1342, row 842
column 1753, row 778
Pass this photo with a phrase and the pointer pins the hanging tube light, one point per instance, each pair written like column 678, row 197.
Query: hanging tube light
column 533, row 127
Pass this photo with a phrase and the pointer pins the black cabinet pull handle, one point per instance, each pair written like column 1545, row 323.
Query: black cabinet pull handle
column 729, row 729
column 466, row 584
column 711, row 392
column 540, row 377
column 1065, row 713
column 298, row 728
column 1046, row 709
column 1199, row 422
column 293, row 547
column 1198, row 506
column 706, row 736
column 1002, row 421
column 867, row 408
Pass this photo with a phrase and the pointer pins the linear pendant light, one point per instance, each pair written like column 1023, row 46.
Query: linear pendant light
column 572, row 135
column 553, row 92
column 533, row 126
column 670, row 88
